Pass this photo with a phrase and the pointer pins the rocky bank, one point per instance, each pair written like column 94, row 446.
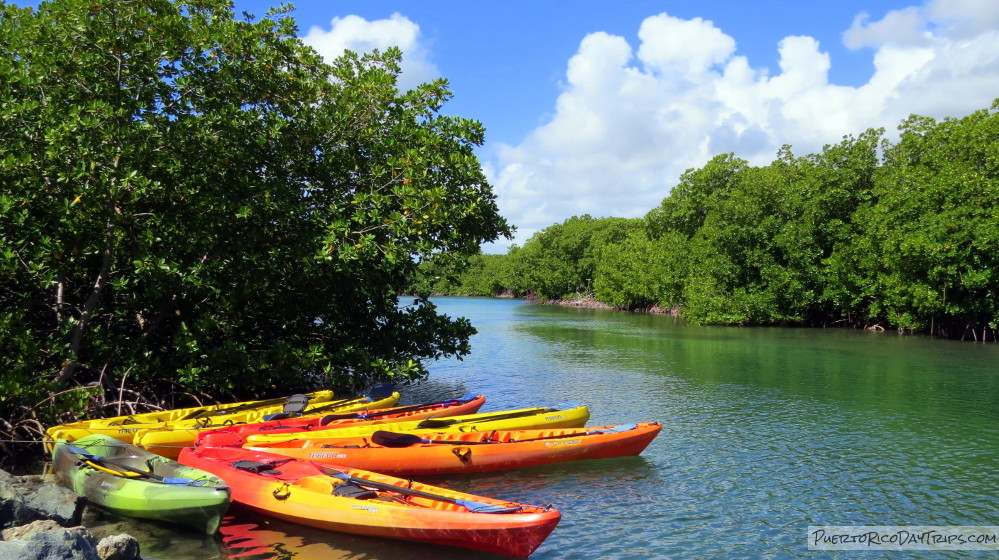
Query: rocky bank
column 40, row 520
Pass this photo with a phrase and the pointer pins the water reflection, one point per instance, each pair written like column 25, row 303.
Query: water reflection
column 249, row 536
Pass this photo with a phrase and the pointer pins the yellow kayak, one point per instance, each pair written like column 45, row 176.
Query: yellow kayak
column 519, row 419
column 170, row 439
column 126, row 431
column 189, row 412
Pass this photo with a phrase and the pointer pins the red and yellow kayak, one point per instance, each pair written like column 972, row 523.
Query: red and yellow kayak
column 519, row 419
column 432, row 453
column 169, row 438
column 361, row 502
column 236, row 435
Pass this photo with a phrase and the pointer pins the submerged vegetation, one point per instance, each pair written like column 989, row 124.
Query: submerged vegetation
column 868, row 233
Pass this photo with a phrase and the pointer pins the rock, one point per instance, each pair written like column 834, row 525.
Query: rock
column 118, row 547
column 59, row 544
column 22, row 531
column 13, row 509
column 58, row 503
column 24, row 499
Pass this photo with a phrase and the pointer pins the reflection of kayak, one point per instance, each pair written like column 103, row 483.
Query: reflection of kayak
column 365, row 503
column 429, row 453
column 135, row 483
column 192, row 412
column 124, row 427
column 519, row 419
column 234, row 435
column 169, row 438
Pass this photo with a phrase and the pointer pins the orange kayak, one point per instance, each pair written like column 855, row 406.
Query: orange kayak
column 432, row 453
column 365, row 503
column 236, row 435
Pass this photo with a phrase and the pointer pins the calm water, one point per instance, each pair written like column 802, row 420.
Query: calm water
column 766, row 431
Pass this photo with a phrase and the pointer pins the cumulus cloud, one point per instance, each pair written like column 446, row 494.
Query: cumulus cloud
column 629, row 121
column 362, row 36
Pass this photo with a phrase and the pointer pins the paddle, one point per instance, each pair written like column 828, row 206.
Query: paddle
column 395, row 439
column 234, row 408
column 432, row 423
column 474, row 507
column 389, row 411
column 376, row 393
column 97, row 459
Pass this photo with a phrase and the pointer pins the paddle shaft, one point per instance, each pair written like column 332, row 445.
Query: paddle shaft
column 390, row 411
column 432, row 423
column 476, row 507
column 105, row 461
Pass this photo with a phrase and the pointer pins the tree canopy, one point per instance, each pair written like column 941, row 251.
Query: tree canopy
column 194, row 201
column 866, row 233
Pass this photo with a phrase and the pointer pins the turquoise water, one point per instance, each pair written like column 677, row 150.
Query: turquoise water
column 766, row 431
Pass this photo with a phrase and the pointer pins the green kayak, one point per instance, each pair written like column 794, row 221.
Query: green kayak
column 133, row 482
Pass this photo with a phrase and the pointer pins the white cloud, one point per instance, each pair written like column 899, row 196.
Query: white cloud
column 362, row 36
column 629, row 122
column 899, row 27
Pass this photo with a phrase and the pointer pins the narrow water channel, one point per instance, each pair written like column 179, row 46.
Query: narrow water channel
column 766, row 431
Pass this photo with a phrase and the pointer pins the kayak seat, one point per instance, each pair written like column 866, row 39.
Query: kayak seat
column 256, row 467
column 296, row 404
column 351, row 490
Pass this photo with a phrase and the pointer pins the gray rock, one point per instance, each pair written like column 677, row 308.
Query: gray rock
column 60, row 544
column 118, row 547
column 22, row 531
column 13, row 509
column 24, row 499
column 58, row 503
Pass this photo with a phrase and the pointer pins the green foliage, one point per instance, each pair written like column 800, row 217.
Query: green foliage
column 191, row 198
column 932, row 233
column 561, row 260
column 640, row 272
column 483, row 275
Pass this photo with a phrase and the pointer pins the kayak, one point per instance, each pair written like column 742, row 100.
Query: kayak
column 190, row 412
column 124, row 427
column 365, row 503
column 169, row 438
column 235, row 435
column 433, row 453
column 135, row 483
column 519, row 419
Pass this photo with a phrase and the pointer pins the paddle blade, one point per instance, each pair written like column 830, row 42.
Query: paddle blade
column 82, row 452
column 178, row 481
column 479, row 507
column 615, row 429
column 392, row 439
column 381, row 391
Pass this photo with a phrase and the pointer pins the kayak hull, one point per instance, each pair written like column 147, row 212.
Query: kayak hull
column 113, row 487
column 235, row 435
column 519, row 419
column 478, row 452
column 170, row 438
column 300, row 492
